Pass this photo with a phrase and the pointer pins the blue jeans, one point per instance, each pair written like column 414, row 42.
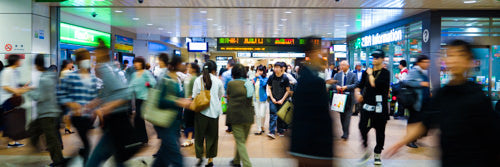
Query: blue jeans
column 104, row 149
column 274, row 121
column 169, row 152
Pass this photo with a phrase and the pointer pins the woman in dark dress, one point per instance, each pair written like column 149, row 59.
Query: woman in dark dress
column 469, row 127
column 311, row 117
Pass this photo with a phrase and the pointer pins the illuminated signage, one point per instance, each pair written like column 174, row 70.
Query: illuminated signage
column 279, row 55
column 264, row 44
column 380, row 38
column 244, row 54
column 72, row 34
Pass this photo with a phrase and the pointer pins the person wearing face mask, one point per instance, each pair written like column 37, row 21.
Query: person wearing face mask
column 76, row 90
column 464, row 114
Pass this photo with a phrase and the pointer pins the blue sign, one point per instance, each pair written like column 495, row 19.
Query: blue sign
column 156, row 47
column 124, row 40
column 41, row 35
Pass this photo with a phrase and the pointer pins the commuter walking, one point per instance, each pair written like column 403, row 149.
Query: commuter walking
column 464, row 114
column 139, row 83
column 160, row 73
column 418, row 80
column 117, row 138
column 169, row 153
column 278, row 89
column 240, row 112
column 76, row 92
column 48, row 113
column 359, row 73
column 375, row 83
column 9, row 96
column 260, row 98
column 188, row 115
column 206, row 122
column 312, row 132
column 401, row 76
column 346, row 84
column 226, row 77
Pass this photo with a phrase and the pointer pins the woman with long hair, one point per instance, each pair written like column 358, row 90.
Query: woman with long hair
column 169, row 152
column 260, row 98
column 188, row 116
column 206, row 122
column 240, row 112
column 140, row 81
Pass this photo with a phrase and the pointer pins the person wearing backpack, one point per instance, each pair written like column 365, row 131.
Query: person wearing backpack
column 418, row 80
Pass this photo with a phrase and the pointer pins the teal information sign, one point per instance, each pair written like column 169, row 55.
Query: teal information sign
column 77, row 35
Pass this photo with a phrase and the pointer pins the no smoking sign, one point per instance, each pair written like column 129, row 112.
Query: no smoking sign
column 8, row 47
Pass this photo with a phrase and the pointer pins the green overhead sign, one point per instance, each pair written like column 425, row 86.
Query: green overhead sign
column 76, row 35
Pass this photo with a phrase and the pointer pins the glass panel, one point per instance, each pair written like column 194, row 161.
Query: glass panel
column 480, row 73
column 460, row 29
column 495, row 77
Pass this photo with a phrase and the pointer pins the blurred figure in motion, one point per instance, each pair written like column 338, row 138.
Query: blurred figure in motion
column 48, row 113
column 359, row 73
column 347, row 81
column 418, row 80
column 76, row 90
column 401, row 76
column 260, row 99
column 312, row 131
column 469, row 127
column 171, row 97
column 375, row 84
column 226, row 77
column 240, row 112
column 206, row 122
column 115, row 97
column 140, row 81
column 188, row 115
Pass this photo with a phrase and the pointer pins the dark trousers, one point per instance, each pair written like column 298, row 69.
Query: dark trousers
column 169, row 152
column 274, row 121
column 370, row 120
column 83, row 125
column 47, row 126
column 139, row 123
column 207, row 131
column 345, row 120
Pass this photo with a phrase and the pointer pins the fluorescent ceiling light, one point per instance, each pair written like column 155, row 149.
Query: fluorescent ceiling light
column 470, row 1
column 169, row 32
column 329, row 33
column 135, row 18
column 281, row 25
column 149, row 24
column 210, row 19
column 118, row 11
column 160, row 28
column 284, row 19
column 203, row 11
column 288, row 12
column 347, row 25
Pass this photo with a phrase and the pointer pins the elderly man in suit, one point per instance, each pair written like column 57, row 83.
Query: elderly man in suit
column 347, row 81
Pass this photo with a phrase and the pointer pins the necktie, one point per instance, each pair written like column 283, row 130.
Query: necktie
column 345, row 79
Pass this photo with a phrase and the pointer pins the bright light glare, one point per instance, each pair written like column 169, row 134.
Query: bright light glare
column 470, row 1
column 135, row 18
column 118, row 11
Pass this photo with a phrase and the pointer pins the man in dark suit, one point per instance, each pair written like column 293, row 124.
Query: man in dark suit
column 347, row 81
column 358, row 71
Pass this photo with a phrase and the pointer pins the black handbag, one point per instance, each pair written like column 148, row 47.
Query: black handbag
column 407, row 97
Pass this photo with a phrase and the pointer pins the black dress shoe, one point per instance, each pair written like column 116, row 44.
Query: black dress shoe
column 200, row 161
column 412, row 145
column 344, row 137
column 234, row 165
column 211, row 164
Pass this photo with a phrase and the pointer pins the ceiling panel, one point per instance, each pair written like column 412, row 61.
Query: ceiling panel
column 244, row 22
column 407, row 4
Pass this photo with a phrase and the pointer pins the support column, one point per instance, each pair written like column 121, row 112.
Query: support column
column 431, row 46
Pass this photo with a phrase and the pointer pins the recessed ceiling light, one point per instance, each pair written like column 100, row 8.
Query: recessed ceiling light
column 281, row 25
column 203, row 11
column 160, row 28
column 284, row 19
column 210, row 19
column 135, row 18
column 288, row 12
column 149, row 24
column 169, row 32
column 347, row 25
column 118, row 11
column 329, row 33
column 470, row 1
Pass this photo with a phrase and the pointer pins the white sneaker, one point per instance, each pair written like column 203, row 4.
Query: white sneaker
column 272, row 136
column 377, row 160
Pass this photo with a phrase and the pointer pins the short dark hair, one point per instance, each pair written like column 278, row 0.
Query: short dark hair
column 262, row 68
column 140, row 60
column 231, row 62
column 176, row 60
column 163, row 57
column 13, row 59
column 196, row 68
column 465, row 45
column 65, row 63
column 403, row 63
column 238, row 71
column 280, row 64
column 125, row 61
column 40, row 61
column 81, row 54
column 422, row 58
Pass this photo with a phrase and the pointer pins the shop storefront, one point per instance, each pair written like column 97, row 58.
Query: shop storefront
column 427, row 33
column 73, row 37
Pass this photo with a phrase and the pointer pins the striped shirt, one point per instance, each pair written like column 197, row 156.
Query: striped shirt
column 74, row 88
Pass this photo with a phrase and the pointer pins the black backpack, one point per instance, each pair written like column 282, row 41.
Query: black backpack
column 407, row 96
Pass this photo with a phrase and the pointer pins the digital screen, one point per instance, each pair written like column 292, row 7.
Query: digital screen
column 264, row 44
column 130, row 60
column 340, row 48
column 197, row 46
column 72, row 34
column 244, row 54
column 340, row 55
column 279, row 55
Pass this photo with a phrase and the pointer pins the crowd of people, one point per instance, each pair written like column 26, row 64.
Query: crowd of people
column 113, row 94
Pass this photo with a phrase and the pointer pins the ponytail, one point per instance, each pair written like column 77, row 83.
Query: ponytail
column 209, row 67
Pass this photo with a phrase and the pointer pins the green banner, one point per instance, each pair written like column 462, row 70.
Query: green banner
column 76, row 35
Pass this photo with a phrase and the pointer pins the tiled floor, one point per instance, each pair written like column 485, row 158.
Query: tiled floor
column 263, row 151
